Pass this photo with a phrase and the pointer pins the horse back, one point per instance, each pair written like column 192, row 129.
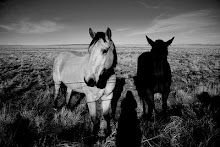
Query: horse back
column 67, row 65
column 66, row 59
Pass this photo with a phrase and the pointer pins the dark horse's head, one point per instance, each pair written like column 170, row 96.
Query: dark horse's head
column 102, row 56
column 159, row 47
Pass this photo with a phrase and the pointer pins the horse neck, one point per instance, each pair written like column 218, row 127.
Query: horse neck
column 159, row 62
column 86, row 60
column 115, row 61
column 157, row 58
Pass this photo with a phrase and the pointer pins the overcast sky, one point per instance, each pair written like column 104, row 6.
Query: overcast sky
column 68, row 21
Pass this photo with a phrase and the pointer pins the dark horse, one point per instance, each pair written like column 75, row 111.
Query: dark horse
column 154, row 75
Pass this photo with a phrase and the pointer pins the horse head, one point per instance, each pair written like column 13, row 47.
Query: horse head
column 101, row 56
column 159, row 47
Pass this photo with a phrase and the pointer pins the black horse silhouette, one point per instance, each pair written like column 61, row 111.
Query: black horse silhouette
column 128, row 131
column 154, row 75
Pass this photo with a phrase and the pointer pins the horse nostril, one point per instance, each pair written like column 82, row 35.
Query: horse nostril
column 91, row 82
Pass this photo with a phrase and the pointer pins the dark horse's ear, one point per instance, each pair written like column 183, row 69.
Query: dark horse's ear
column 169, row 41
column 151, row 42
column 108, row 33
column 92, row 33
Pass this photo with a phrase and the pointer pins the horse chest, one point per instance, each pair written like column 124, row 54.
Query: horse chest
column 93, row 93
column 158, row 87
column 97, row 92
column 158, row 70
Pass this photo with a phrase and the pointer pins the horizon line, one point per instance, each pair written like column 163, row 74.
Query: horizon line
column 69, row 44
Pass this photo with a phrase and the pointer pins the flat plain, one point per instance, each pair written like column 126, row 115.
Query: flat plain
column 27, row 117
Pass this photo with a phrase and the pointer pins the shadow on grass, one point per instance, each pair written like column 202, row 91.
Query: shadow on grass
column 20, row 133
column 120, row 82
column 212, row 103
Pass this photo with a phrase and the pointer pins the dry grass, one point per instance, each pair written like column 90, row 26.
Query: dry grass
column 26, row 97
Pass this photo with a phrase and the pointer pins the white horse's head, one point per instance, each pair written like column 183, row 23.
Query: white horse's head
column 102, row 56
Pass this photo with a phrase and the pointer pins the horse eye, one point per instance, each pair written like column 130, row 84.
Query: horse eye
column 104, row 51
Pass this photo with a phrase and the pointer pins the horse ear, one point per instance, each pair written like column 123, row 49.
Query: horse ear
column 108, row 33
column 92, row 33
column 151, row 42
column 169, row 41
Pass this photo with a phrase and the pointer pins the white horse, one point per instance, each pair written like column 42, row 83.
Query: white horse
column 92, row 74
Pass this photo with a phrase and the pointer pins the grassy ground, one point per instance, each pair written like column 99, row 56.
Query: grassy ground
column 26, row 98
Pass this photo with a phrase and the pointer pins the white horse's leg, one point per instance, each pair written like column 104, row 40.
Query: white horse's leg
column 90, row 100
column 106, row 100
column 92, row 112
column 68, row 91
column 57, row 87
column 105, row 124
column 108, row 95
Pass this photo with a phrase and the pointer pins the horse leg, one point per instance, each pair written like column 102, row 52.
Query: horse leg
column 108, row 125
column 150, row 102
column 164, row 104
column 57, row 87
column 92, row 112
column 69, row 91
column 143, row 98
column 105, row 104
column 144, row 103
column 106, row 101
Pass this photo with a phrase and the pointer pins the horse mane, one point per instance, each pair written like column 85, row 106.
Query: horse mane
column 115, row 57
column 98, row 35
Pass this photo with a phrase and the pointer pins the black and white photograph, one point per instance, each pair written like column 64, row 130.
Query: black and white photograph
column 109, row 73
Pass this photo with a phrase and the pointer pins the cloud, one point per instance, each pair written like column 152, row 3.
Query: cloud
column 27, row 27
column 201, row 20
column 122, row 29
column 156, row 4
column 148, row 4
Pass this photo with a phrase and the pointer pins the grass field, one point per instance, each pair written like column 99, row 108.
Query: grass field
column 26, row 97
